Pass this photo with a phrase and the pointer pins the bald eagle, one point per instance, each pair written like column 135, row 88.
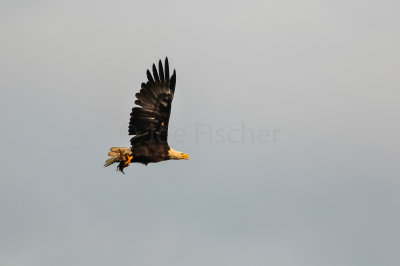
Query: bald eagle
column 149, row 122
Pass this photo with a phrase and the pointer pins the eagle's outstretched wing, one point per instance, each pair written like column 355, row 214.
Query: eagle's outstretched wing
column 155, row 99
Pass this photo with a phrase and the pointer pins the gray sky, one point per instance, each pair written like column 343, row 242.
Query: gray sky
column 321, row 77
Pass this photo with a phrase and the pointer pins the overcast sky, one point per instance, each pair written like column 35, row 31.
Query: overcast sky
column 289, row 111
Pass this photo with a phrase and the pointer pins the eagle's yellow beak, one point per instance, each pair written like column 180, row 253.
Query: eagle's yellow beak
column 185, row 156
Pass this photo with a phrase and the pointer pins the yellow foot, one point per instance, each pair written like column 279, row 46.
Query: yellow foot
column 128, row 158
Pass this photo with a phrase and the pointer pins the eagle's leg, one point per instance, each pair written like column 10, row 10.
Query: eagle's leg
column 128, row 158
column 125, row 162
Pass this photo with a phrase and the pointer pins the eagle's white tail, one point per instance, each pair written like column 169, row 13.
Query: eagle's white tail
column 110, row 161
column 117, row 155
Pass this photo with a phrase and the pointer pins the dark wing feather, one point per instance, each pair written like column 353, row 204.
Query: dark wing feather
column 155, row 99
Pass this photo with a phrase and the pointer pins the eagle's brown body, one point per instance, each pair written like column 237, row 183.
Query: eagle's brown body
column 151, row 153
column 149, row 122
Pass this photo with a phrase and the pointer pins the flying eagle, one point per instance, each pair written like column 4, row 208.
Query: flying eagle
column 149, row 123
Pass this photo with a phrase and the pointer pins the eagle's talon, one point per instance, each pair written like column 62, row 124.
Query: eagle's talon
column 128, row 159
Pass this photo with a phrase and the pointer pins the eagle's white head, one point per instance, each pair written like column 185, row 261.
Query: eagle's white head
column 177, row 155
